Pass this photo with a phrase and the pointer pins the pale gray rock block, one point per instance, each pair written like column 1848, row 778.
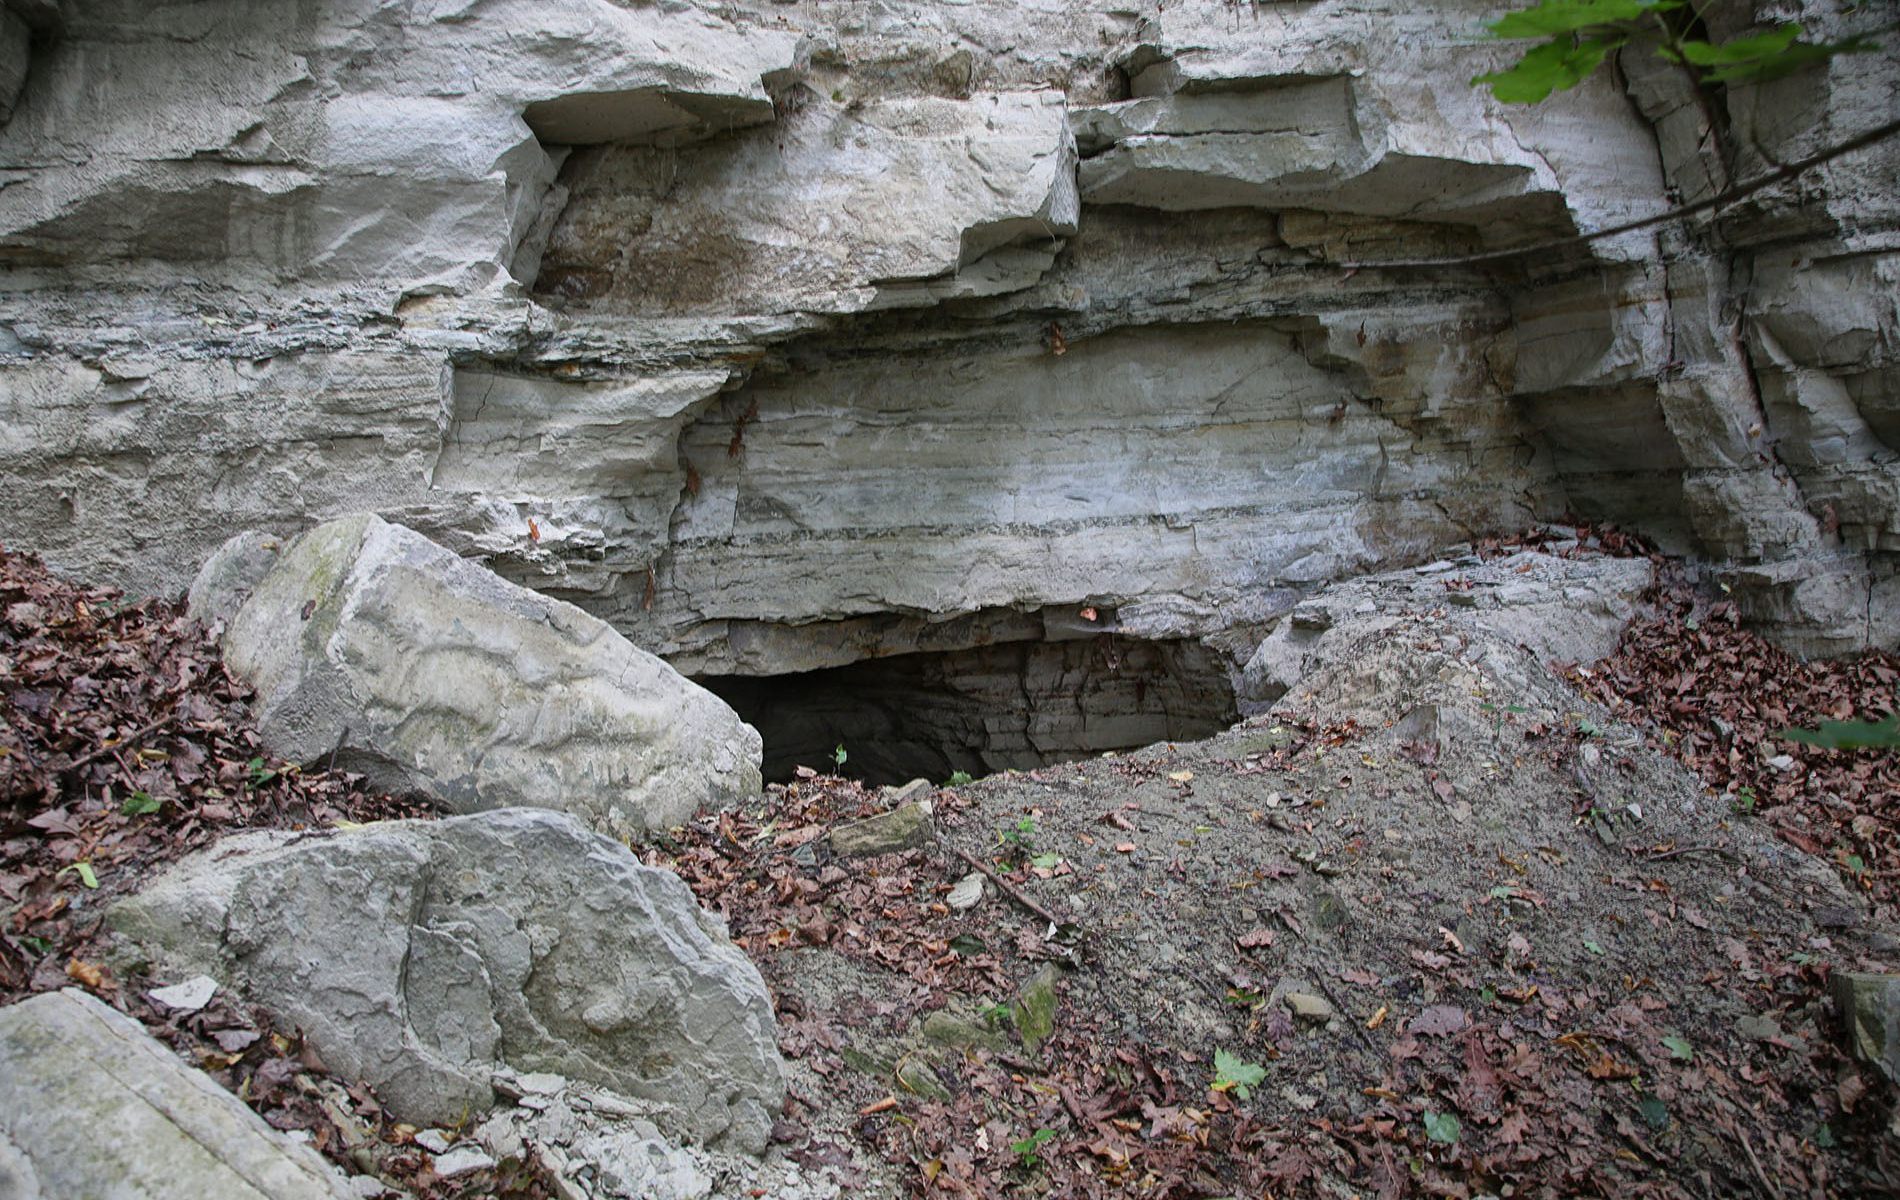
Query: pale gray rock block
column 1561, row 610
column 414, row 168
column 422, row 956
column 931, row 197
column 431, row 674
column 92, row 1105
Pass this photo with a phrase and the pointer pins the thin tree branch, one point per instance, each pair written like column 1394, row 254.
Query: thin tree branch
column 1004, row 886
column 1722, row 199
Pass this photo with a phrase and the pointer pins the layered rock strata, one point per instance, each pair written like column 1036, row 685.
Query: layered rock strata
column 789, row 337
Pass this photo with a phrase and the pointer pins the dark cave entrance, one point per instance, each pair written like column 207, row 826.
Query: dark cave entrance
column 983, row 710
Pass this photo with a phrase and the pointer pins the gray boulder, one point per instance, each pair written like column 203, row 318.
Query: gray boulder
column 429, row 673
column 91, row 1105
column 418, row 956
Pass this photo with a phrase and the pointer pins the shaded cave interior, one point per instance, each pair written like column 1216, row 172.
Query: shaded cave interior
column 1020, row 705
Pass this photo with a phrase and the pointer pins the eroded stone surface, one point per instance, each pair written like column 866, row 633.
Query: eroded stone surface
column 91, row 1105
column 422, row 956
column 1560, row 610
column 370, row 643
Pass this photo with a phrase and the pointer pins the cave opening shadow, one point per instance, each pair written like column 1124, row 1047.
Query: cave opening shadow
column 1012, row 705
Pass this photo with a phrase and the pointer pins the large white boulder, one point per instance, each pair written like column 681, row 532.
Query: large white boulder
column 372, row 645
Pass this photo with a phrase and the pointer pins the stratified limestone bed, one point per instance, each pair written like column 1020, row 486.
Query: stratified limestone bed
column 788, row 337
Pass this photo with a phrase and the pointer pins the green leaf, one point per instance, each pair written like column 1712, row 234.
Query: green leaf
column 1236, row 1074
column 1592, row 947
column 1679, row 1048
column 84, row 871
column 1442, row 1128
column 1655, row 1113
column 1574, row 16
column 1797, row 57
column 958, row 779
column 1047, row 862
column 1553, row 66
column 967, row 944
column 1824, row 1137
column 1849, row 735
column 139, row 804
column 1740, row 50
column 40, row 945
column 838, row 756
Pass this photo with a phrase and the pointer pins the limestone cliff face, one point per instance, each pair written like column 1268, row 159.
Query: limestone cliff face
column 787, row 336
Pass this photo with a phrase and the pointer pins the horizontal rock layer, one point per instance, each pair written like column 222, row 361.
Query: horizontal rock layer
column 784, row 338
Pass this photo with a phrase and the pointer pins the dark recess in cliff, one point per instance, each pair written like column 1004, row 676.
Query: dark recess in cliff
column 1019, row 704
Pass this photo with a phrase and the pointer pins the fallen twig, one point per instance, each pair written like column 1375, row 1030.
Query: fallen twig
column 1767, row 1184
column 136, row 736
column 1680, row 850
column 1006, row 888
column 1345, row 1014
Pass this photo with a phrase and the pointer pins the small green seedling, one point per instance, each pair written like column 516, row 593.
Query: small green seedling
column 1679, row 1048
column 140, row 804
column 1025, row 1150
column 1443, row 1128
column 838, row 756
column 958, row 779
column 85, row 872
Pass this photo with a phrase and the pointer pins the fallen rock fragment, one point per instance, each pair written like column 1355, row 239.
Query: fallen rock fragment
column 968, row 893
column 91, row 1105
column 1869, row 1004
column 603, row 1146
column 1034, row 1009
column 374, row 647
column 903, row 828
column 1311, row 1008
column 420, row 956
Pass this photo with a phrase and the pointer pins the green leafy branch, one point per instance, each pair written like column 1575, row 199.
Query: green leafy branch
column 1575, row 36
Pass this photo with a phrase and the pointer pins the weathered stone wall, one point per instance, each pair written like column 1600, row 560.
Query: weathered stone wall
column 786, row 336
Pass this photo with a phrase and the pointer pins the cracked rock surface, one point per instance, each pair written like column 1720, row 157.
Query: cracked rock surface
column 372, row 646
column 422, row 956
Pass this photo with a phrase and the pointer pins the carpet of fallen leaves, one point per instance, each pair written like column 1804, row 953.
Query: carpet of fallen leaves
column 1718, row 696
column 125, row 745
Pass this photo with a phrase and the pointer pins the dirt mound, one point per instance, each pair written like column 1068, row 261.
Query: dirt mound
column 1437, row 925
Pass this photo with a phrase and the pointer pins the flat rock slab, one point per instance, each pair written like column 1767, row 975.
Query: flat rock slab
column 903, row 828
column 92, row 1106
column 370, row 644
column 421, row 956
